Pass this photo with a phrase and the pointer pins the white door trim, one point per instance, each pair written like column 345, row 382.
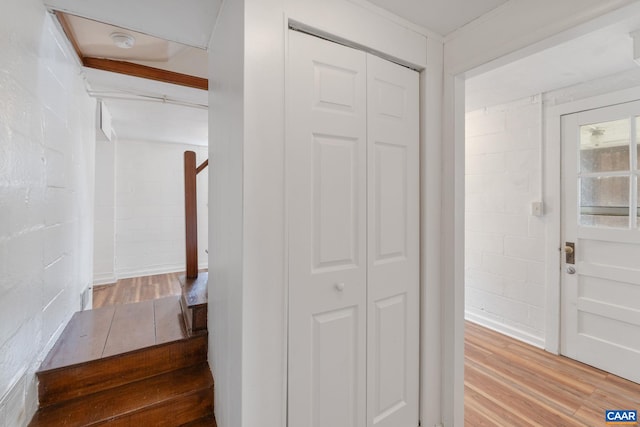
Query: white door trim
column 553, row 200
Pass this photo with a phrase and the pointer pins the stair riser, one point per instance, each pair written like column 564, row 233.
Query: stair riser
column 194, row 302
column 178, row 396
column 182, row 410
column 199, row 323
column 195, row 318
column 209, row 421
column 68, row 383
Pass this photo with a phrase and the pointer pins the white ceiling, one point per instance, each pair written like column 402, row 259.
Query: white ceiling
column 191, row 22
column 188, row 22
column 144, row 114
column 606, row 52
column 440, row 16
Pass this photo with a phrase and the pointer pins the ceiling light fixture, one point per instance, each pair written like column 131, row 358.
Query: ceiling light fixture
column 123, row 40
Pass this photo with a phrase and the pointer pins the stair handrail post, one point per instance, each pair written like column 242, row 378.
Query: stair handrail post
column 191, row 214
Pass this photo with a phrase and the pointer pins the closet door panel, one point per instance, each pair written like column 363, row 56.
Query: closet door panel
column 326, row 207
column 393, row 244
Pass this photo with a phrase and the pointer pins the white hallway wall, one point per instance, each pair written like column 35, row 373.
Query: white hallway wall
column 47, row 142
column 504, row 243
column 142, row 209
column 247, row 330
column 246, row 136
column 248, row 300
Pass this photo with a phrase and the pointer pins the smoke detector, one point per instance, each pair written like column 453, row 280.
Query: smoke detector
column 123, row 40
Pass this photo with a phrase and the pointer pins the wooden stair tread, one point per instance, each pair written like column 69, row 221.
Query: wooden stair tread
column 145, row 395
column 168, row 320
column 83, row 338
column 132, row 327
column 94, row 334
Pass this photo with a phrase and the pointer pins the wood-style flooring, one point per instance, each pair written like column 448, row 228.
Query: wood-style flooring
column 507, row 382
column 127, row 291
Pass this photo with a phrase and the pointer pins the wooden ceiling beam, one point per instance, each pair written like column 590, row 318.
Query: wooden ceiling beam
column 145, row 72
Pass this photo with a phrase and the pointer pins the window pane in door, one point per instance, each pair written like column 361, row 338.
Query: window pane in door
column 604, row 201
column 604, row 147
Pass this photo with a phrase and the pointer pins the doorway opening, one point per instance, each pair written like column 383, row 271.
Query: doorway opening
column 152, row 107
column 513, row 203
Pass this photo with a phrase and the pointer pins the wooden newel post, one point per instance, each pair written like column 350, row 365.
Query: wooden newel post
column 191, row 213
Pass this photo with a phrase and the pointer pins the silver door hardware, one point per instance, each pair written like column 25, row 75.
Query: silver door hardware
column 570, row 252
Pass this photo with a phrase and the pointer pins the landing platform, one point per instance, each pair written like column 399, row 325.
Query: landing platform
column 195, row 290
column 108, row 331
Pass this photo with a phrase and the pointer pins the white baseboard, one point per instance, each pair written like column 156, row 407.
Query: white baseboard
column 151, row 271
column 104, row 278
column 505, row 329
column 12, row 400
column 109, row 278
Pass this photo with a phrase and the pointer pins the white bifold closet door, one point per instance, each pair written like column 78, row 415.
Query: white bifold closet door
column 352, row 195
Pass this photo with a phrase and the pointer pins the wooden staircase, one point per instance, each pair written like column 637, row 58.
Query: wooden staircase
column 129, row 364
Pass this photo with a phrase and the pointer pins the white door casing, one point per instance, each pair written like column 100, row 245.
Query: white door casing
column 326, row 183
column 600, row 302
column 352, row 190
column 393, row 244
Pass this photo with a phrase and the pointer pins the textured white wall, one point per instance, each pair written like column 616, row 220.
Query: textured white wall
column 47, row 142
column 506, row 250
column 504, row 268
column 104, row 231
column 149, row 207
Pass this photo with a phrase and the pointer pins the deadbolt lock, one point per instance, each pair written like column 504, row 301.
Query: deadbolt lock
column 570, row 252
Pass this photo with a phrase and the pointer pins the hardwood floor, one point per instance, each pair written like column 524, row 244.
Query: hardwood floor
column 126, row 291
column 509, row 383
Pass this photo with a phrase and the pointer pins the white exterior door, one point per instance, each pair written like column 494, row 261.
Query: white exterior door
column 393, row 244
column 601, row 285
column 352, row 197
